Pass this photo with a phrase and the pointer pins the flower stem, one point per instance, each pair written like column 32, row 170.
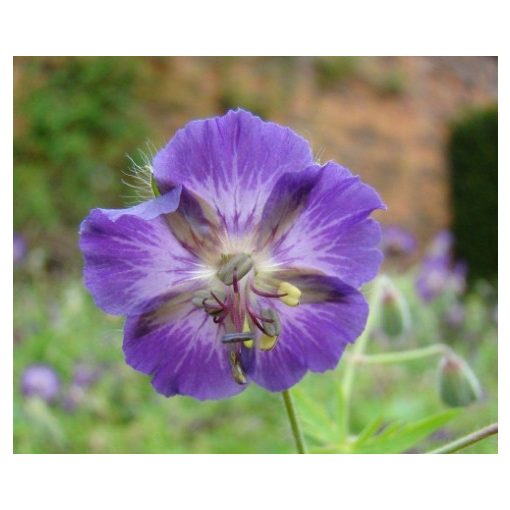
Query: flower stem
column 468, row 440
column 401, row 356
column 360, row 345
column 294, row 423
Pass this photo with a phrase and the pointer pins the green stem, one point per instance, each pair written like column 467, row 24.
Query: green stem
column 294, row 423
column 468, row 440
column 401, row 356
column 361, row 343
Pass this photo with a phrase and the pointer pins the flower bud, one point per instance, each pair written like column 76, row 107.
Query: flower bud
column 240, row 264
column 395, row 317
column 458, row 385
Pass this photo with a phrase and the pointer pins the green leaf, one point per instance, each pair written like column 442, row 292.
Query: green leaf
column 397, row 437
column 317, row 424
column 340, row 412
column 370, row 430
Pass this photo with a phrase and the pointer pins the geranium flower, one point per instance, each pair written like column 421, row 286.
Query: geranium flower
column 245, row 269
column 439, row 272
column 397, row 241
column 40, row 381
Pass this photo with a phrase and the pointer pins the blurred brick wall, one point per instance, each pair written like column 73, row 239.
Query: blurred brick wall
column 386, row 118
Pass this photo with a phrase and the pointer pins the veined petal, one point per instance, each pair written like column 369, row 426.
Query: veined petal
column 231, row 162
column 181, row 347
column 332, row 232
column 150, row 209
column 331, row 314
column 132, row 257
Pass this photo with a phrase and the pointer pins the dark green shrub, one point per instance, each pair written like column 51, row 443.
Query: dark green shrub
column 473, row 157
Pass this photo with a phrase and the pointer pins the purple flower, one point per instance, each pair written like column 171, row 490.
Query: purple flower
column 397, row 241
column 245, row 269
column 438, row 272
column 441, row 247
column 19, row 248
column 85, row 375
column 40, row 381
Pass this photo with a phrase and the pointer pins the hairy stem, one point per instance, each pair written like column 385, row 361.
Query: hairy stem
column 294, row 423
column 468, row 440
column 401, row 356
column 361, row 343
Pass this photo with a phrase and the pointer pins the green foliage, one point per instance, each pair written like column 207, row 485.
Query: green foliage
column 473, row 156
column 75, row 122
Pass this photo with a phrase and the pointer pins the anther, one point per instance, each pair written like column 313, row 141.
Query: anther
column 246, row 329
column 267, row 343
column 209, row 301
column 237, row 370
column 235, row 268
column 231, row 338
column 291, row 294
column 270, row 322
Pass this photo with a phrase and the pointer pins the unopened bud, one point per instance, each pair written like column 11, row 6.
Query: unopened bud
column 395, row 317
column 292, row 294
column 458, row 385
column 240, row 264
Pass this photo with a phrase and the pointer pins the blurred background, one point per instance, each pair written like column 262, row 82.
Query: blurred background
column 421, row 130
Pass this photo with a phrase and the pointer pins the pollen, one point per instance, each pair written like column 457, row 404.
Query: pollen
column 246, row 329
column 291, row 294
column 267, row 343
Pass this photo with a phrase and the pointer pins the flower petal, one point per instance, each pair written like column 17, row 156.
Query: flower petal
column 132, row 257
column 332, row 232
column 231, row 162
column 150, row 209
column 181, row 347
column 314, row 334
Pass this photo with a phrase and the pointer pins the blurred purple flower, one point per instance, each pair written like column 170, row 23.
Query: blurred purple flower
column 209, row 274
column 454, row 316
column 397, row 241
column 441, row 246
column 85, row 375
column 439, row 272
column 39, row 380
column 20, row 248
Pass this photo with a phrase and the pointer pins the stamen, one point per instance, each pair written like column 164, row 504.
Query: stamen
column 267, row 343
column 234, row 281
column 246, row 329
column 266, row 294
column 255, row 318
column 291, row 294
column 237, row 370
column 272, row 326
column 238, row 265
column 203, row 299
column 231, row 338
